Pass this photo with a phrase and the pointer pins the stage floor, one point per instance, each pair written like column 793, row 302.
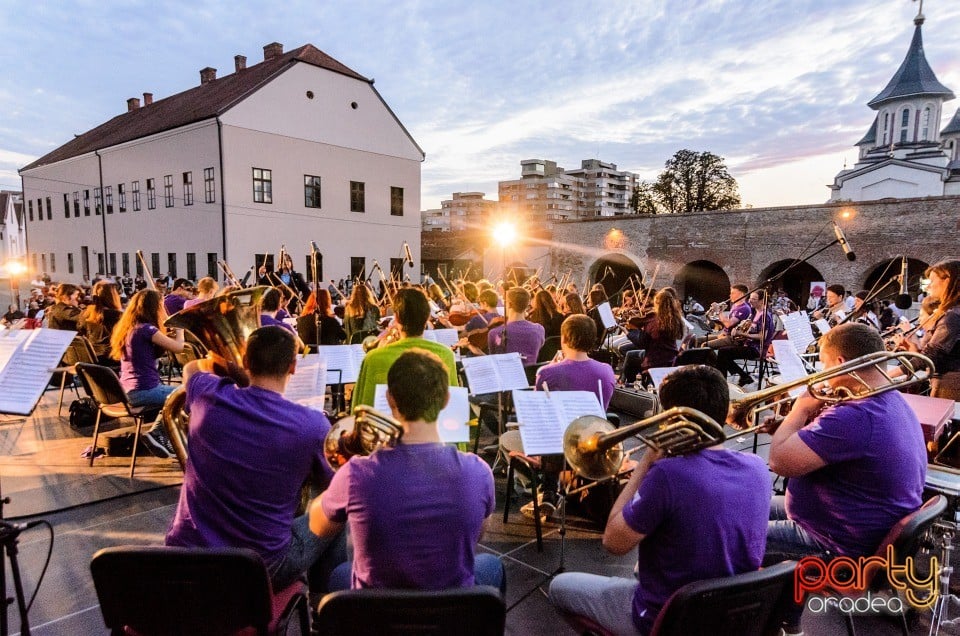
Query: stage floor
column 42, row 472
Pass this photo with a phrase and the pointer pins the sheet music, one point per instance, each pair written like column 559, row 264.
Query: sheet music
column 494, row 373
column 540, row 427
column 345, row 358
column 309, row 381
column 26, row 371
column 447, row 337
column 790, row 364
column 453, row 420
column 823, row 326
column 606, row 315
column 574, row 404
column 797, row 326
column 657, row 374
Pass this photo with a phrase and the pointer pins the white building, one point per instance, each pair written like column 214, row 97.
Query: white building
column 297, row 148
column 904, row 153
column 12, row 226
column 463, row 211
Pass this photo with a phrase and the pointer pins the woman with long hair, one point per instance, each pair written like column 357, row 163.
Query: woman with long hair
column 941, row 338
column 572, row 304
column 361, row 315
column 331, row 333
column 100, row 317
column 65, row 313
column 656, row 337
column 135, row 340
column 545, row 312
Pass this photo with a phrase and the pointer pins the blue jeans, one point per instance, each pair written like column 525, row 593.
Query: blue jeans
column 150, row 397
column 307, row 551
column 487, row 570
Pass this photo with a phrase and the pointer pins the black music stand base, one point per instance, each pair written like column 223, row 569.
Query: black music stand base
column 8, row 545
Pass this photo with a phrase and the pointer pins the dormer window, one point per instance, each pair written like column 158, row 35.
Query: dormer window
column 904, row 125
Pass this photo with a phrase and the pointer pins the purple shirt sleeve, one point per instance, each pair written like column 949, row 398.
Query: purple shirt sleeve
column 833, row 439
column 649, row 507
column 335, row 498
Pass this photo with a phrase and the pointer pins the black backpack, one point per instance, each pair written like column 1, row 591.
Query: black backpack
column 83, row 415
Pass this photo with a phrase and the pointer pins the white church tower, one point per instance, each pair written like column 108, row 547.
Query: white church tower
column 904, row 154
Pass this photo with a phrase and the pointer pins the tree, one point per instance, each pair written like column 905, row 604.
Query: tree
column 693, row 182
column 643, row 199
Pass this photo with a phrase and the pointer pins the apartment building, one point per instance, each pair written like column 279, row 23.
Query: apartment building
column 464, row 211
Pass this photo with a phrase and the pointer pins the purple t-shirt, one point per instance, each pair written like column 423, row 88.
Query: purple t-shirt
column 173, row 303
column 578, row 375
column 876, row 468
column 415, row 513
column 741, row 312
column 480, row 322
column 704, row 515
column 138, row 366
column 250, row 451
column 523, row 336
column 266, row 320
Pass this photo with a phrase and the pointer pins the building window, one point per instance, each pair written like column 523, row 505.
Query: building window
column 311, row 191
column 212, row 266
column 188, row 188
column 101, row 267
column 168, row 191
column 139, row 267
column 121, row 197
column 135, row 187
column 151, row 194
column 113, row 263
column 209, row 187
column 358, row 266
column 125, row 260
column 925, row 125
column 172, row 264
column 191, row 266
column 108, row 195
column 39, row 209
column 155, row 264
column 310, row 264
column 30, row 210
column 49, row 209
column 86, row 203
column 904, row 125
column 97, row 202
column 396, row 201
column 66, row 205
column 396, row 268
column 43, row 260
column 69, row 262
column 886, row 128
column 262, row 185
column 76, row 204
column 357, row 203
column 53, row 263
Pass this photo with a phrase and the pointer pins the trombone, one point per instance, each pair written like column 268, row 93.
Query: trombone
column 916, row 367
column 594, row 448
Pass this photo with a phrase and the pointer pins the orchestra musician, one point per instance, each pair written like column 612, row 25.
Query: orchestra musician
column 134, row 342
column 836, row 308
column 411, row 312
column 207, row 288
column 740, row 310
column 544, row 312
column 518, row 334
column 941, row 340
column 250, row 452
column 331, row 333
column 99, row 318
column 362, row 314
column 572, row 304
column 655, row 337
column 750, row 340
column 422, row 530
column 182, row 291
column 691, row 517
column 856, row 468
column 865, row 312
column 65, row 313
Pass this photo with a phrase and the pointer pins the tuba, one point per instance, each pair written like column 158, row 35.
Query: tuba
column 222, row 324
column 360, row 434
column 594, row 449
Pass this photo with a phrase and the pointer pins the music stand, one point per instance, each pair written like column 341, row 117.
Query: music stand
column 9, row 534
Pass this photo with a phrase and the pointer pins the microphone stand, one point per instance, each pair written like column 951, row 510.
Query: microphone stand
column 8, row 544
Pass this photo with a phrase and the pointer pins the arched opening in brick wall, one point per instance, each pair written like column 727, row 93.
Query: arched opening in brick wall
column 795, row 282
column 703, row 280
column 887, row 271
column 613, row 271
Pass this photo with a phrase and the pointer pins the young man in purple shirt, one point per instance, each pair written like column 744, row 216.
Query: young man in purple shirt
column 856, row 468
column 182, row 292
column 250, row 452
column 692, row 517
column 417, row 510
column 518, row 335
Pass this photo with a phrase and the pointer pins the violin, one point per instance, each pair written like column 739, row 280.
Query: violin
column 460, row 318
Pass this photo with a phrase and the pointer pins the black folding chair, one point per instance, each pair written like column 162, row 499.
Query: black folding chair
column 154, row 591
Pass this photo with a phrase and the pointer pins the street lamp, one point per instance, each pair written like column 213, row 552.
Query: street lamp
column 15, row 269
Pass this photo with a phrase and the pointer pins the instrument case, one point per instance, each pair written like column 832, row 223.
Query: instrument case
column 639, row 404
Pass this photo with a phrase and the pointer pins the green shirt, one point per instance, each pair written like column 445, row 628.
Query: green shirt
column 377, row 363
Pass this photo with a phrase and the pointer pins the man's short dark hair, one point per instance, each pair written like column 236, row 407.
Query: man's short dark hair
column 579, row 331
column 182, row 282
column 412, row 309
column 837, row 289
column 697, row 386
column 418, row 382
column 488, row 297
column 743, row 289
column 270, row 301
column 518, row 299
column 852, row 340
column 270, row 351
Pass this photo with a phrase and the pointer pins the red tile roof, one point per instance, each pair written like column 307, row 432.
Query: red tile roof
column 193, row 105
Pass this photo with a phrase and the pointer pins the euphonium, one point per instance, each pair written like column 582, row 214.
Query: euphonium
column 594, row 449
column 360, row 434
column 223, row 325
column 917, row 367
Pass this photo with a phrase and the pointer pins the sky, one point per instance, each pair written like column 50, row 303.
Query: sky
column 776, row 87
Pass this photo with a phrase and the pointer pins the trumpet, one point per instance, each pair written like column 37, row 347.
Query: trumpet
column 360, row 434
column 594, row 448
column 917, row 367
